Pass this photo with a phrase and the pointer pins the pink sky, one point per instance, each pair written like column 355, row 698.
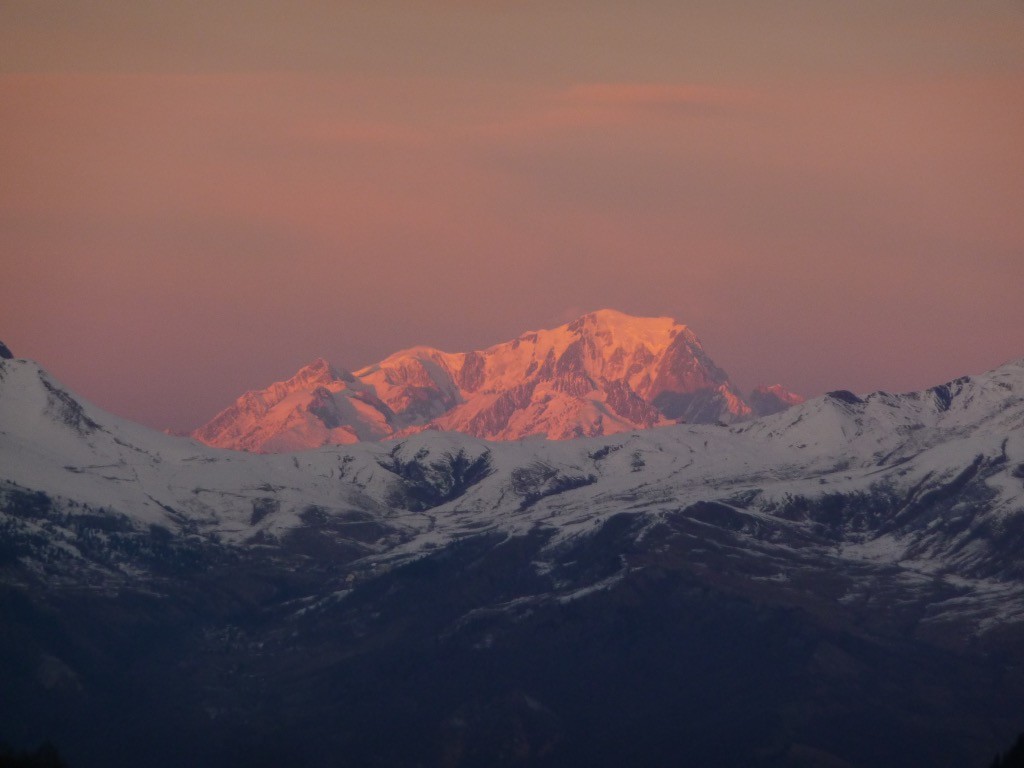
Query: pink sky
column 196, row 201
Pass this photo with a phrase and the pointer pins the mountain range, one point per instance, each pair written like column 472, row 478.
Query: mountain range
column 604, row 373
column 838, row 584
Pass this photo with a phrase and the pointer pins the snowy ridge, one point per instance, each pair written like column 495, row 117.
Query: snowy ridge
column 859, row 553
column 931, row 483
column 605, row 373
column 317, row 406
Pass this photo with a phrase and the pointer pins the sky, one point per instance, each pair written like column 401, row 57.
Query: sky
column 196, row 199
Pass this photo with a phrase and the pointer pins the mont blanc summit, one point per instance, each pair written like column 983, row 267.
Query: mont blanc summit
column 604, row 373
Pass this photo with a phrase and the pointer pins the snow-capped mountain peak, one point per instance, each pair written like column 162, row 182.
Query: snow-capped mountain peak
column 602, row 373
column 318, row 372
column 319, row 405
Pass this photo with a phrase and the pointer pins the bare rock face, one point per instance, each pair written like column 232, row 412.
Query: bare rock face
column 603, row 373
column 5, row 352
column 323, row 406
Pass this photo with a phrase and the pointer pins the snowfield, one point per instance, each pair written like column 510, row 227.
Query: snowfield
column 878, row 460
column 851, row 565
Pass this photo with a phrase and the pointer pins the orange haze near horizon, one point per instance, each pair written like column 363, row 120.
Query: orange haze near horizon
column 196, row 201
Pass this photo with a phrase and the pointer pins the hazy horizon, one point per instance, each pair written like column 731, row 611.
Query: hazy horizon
column 198, row 201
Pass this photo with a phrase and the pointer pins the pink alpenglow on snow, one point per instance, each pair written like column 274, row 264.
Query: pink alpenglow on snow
column 604, row 373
